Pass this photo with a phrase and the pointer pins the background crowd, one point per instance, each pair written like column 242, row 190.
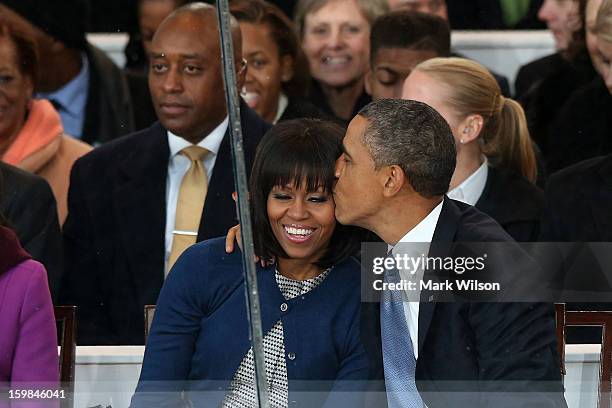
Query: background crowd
column 107, row 173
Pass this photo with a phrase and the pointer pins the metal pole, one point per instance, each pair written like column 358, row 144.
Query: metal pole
column 240, row 180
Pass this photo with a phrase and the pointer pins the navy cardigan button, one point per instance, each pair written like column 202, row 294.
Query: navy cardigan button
column 284, row 307
column 291, row 356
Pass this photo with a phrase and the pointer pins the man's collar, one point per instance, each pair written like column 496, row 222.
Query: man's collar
column 71, row 96
column 211, row 142
column 424, row 230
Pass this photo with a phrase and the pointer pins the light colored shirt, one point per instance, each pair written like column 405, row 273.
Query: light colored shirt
column 71, row 100
column 283, row 102
column 421, row 235
column 178, row 166
column 471, row 189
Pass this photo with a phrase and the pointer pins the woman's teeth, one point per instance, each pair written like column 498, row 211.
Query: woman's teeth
column 298, row 231
column 251, row 98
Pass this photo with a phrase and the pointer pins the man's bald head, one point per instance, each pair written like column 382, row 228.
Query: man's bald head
column 205, row 14
column 185, row 71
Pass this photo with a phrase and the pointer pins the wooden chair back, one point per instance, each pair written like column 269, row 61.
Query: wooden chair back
column 601, row 319
column 65, row 317
column 149, row 312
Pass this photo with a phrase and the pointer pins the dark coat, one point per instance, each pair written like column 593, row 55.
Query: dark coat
column 578, row 213
column 115, row 231
column 301, row 108
column 579, row 202
column 582, row 130
column 488, row 15
column 26, row 201
column 317, row 98
column 515, row 203
column 469, row 351
column 553, row 80
column 109, row 111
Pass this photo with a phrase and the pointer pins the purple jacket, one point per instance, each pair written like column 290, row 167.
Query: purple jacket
column 28, row 338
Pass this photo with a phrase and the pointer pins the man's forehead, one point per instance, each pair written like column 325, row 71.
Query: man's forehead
column 172, row 40
column 355, row 131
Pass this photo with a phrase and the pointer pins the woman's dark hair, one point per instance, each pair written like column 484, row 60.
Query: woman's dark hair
column 283, row 34
column 25, row 50
column 298, row 151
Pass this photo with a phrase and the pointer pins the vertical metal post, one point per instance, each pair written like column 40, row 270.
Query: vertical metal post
column 240, row 179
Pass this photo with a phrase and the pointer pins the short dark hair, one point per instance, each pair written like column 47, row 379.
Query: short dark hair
column 283, row 34
column 410, row 30
column 25, row 50
column 296, row 151
column 413, row 136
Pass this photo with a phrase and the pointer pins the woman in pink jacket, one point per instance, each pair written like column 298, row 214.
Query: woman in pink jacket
column 28, row 338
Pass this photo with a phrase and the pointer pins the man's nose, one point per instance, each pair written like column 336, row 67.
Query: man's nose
column 173, row 81
column 609, row 78
column 339, row 165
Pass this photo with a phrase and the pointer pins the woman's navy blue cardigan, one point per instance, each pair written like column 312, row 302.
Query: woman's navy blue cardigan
column 200, row 333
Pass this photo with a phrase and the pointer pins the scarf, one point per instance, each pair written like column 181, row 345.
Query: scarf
column 39, row 138
column 11, row 252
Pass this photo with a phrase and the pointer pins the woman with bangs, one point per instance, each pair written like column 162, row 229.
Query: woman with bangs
column 309, row 296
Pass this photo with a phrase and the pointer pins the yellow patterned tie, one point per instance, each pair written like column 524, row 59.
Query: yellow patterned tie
column 189, row 204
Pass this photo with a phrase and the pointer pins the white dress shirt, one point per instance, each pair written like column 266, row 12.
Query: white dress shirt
column 178, row 166
column 422, row 234
column 283, row 102
column 471, row 189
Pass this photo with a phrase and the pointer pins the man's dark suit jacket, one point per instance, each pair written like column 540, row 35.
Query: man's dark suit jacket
column 114, row 235
column 27, row 203
column 469, row 351
column 579, row 210
column 515, row 203
column 117, row 103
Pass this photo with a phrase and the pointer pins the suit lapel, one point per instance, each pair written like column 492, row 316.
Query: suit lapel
column 215, row 214
column 139, row 199
column 219, row 209
column 600, row 204
column 441, row 245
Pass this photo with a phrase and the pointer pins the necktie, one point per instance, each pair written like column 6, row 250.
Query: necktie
column 398, row 354
column 190, row 203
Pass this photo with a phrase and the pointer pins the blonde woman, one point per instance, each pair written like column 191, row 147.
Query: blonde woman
column 496, row 164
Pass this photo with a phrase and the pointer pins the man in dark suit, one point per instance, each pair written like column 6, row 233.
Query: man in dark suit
column 125, row 196
column 398, row 161
column 579, row 216
column 27, row 203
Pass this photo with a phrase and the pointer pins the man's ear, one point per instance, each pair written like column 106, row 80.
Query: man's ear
column 287, row 70
column 241, row 71
column 394, row 180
